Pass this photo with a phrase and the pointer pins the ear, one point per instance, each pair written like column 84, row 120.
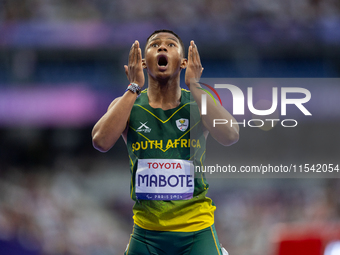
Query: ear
column 143, row 63
column 184, row 63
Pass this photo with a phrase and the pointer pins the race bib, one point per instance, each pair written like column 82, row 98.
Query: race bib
column 164, row 179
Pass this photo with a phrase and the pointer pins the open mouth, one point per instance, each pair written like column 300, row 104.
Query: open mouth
column 162, row 61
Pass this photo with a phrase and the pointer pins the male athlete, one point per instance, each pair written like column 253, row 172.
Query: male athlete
column 172, row 214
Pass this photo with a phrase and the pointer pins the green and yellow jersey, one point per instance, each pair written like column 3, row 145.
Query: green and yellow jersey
column 171, row 134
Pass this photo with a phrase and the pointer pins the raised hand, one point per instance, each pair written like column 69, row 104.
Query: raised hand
column 194, row 67
column 134, row 69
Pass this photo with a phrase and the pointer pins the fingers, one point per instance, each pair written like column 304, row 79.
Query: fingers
column 190, row 52
column 194, row 52
column 131, row 54
column 194, row 56
column 134, row 68
column 139, row 55
column 135, row 55
column 126, row 71
column 194, row 67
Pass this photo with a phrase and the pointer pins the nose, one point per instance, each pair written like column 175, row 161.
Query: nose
column 162, row 48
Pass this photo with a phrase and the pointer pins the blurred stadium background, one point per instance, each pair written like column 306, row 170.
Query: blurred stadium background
column 61, row 64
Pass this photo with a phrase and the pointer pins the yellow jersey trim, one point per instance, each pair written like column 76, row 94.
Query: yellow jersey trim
column 212, row 232
column 163, row 121
column 128, row 248
column 131, row 176
column 205, row 186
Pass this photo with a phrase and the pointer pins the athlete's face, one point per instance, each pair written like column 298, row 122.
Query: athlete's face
column 163, row 56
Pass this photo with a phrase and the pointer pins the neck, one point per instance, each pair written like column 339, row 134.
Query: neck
column 164, row 94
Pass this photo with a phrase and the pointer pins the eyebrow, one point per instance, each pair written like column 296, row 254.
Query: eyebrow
column 166, row 38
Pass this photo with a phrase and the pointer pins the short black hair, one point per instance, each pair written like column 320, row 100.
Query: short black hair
column 170, row 32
